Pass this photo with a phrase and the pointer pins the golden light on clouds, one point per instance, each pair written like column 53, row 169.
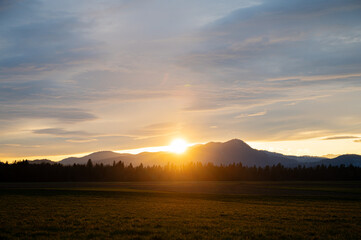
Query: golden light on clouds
column 129, row 89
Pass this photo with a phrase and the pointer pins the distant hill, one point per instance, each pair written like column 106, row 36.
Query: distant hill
column 299, row 159
column 233, row 151
column 347, row 160
column 40, row 161
column 105, row 157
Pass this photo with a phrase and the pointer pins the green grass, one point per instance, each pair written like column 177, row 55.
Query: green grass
column 181, row 210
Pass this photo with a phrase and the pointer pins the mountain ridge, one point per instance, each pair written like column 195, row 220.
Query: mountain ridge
column 218, row 153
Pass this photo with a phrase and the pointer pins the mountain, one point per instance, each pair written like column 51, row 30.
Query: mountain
column 233, row 151
column 346, row 159
column 40, row 161
column 300, row 159
column 105, row 157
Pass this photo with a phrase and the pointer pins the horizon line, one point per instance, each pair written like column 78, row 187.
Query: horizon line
column 135, row 151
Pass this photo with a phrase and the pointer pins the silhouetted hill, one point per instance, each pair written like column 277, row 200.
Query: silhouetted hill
column 233, row 151
column 40, row 161
column 299, row 159
column 105, row 157
column 347, row 159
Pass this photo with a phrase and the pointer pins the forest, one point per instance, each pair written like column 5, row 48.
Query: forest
column 23, row 171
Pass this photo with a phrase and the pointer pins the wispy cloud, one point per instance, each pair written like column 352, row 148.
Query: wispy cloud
column 156, row 130
column 66, row 115
column 317, row 78
column 19, row 146
column 60, row 132
column 81, row 140
column 243, row 115
column 340, row 137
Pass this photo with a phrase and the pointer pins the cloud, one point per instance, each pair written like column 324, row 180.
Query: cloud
column 156, row 130
column 317, row 78
column 31, row 91
column 340, row 138
column 66, row 115
column 295, row 59
column 252, row 114
column 81, row 140
column 60, row 132
column 226, row 97
column 357, row 141
column 36, row 42
column 179, row 67
column 15, row 145
column 286, row 38
column 160, row 126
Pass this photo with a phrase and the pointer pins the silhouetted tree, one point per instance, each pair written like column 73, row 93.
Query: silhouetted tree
column 89, row 164
column 23, row 171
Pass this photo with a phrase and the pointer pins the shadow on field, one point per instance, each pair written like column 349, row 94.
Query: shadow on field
column 226, row 191
column 180, row 210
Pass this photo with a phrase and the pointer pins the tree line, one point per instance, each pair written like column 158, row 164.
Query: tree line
column 23, row 171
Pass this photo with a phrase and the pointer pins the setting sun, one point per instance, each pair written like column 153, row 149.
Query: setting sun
column 178, row 146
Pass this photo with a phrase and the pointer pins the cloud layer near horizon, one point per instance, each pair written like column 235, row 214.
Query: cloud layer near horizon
column 85, row 76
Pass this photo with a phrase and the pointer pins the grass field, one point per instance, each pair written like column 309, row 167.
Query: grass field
column 181, row 210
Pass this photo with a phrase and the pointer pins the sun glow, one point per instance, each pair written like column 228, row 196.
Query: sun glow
column 178, row 146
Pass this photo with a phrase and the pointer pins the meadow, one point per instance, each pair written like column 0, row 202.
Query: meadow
column 181, row 210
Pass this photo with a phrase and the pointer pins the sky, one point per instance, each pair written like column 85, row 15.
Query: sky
column 84, row 76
